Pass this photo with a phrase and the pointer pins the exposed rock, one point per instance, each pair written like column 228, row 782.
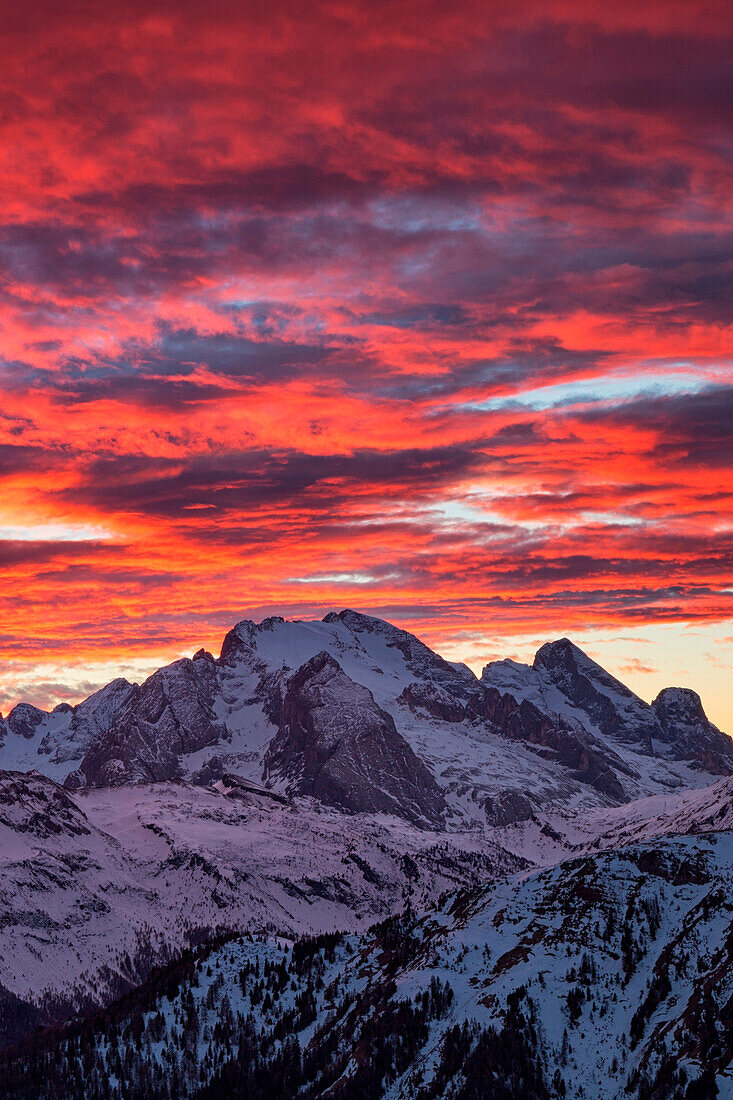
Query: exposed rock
column 565, row 684
column 172, row 713
column 203, row 655
column 34, row 805
column 611, row 706
column 687, row 727
column 434, row 700
column 24, row 720
column 89, row 721
column 572, row 748
column 508, row 807
column 337, row 745
column 211, row 770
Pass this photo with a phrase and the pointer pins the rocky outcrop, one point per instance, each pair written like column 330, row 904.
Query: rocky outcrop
column 88, row 722
column 575, row 750
column 507, row 808
column 336, row 744
column 170, row 714
column 675, row 725
column 433, row 700
column 610, row 705
column 34, row 806
column 574, row 691
column 686, row 726
column 24, row 720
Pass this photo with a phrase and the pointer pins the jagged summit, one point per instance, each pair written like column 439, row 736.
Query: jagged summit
column 683, row 702
column 566, row 662
column 565, row 681
column 682, row 716
column 557, row 732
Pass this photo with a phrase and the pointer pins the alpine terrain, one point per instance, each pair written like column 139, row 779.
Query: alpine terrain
column 330, row 863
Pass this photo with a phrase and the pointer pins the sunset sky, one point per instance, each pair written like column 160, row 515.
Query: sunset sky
column 421, row 308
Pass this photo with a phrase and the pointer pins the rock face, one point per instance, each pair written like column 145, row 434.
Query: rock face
column 507, row 808
column 37, row 807
column 24, row 720
column 337, row 745
column 88, row 721
column 172, row 713
column 686, row 726
column 565, row 683
column 609, row 704
column 571, row 747
column 433, row 700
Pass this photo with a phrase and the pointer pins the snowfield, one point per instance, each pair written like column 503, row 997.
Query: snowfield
column 559, row 851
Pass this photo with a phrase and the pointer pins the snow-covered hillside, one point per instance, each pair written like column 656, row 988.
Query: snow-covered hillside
column 318, row 777
column 471, row 752
column 96, row 886
column 609, row 976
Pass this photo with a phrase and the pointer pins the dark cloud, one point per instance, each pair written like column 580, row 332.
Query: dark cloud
column 250, row 479
column 40, row 551
column 692, row 430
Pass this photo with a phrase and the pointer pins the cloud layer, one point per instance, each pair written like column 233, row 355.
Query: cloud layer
column 423, row 308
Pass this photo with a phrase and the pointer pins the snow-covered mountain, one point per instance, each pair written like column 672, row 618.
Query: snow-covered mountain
column 403, row 730
column 609, row 976
column 53, row 742
column 317, row 777
column 564, row 681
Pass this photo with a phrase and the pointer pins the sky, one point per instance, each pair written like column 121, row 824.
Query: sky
column 418, row 308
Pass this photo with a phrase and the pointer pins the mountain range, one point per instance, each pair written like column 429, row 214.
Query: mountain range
column 537, row 840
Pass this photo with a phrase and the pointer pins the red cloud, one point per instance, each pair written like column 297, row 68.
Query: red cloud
column 291, row 307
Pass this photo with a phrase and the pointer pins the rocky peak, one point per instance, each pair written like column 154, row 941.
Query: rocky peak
column 612, row 708
column 203, row 655
column 566, row 663
column 336, row 744
column 24, row 719
column 675, row 721
column 679, row 704
column 240, row 639
column 171, row 713
column 681, row 715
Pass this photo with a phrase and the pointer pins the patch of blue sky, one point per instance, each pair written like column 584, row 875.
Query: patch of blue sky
column 613, row 519
column 340, row 578
column 425, row 215
column 611, row 389
column 53, row 532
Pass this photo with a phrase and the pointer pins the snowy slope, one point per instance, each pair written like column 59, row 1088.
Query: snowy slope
column 97, row 885
column 54, row 742
column 609, row 976
column 560, row 735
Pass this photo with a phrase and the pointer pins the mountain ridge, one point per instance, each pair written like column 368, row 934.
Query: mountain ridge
column 317, row 777
column 575, row 728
